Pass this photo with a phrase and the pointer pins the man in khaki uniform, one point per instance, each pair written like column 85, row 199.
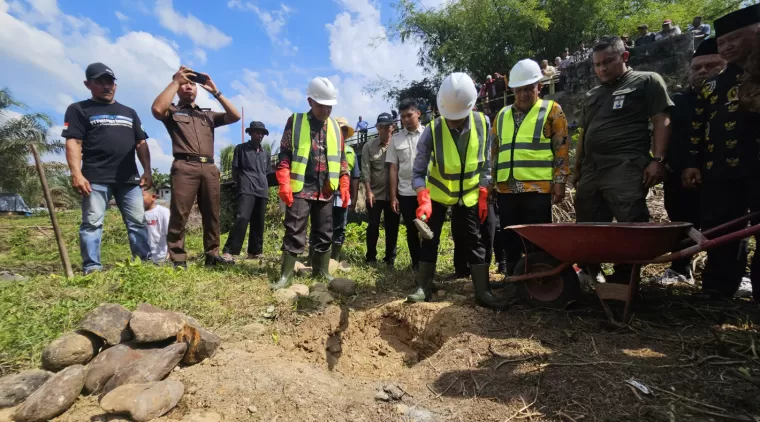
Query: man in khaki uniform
column 614, row 168
column 375, row 178
column 193, row 173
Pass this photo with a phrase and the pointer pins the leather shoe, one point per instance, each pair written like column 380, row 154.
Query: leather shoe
column 212, row 260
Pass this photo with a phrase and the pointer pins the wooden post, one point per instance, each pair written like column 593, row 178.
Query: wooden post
column 51, row 210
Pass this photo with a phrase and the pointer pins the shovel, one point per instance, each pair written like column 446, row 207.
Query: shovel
column 423, row 228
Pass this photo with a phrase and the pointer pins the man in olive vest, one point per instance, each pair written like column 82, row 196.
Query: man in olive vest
column 312, row 166
column 530, row 158
column 450, row 170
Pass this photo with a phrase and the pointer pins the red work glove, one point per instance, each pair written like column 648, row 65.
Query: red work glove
column 345, row 191
column 483, row 205
column 283, row 179
column 425, row 208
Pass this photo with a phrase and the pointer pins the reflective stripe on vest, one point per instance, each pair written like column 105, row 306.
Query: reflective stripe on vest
column 302, row 149
column 449, row 180
column 350, row 157
column 527, row 153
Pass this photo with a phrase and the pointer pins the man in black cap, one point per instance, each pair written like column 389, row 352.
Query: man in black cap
column 102, row 137
column 723, row 157
column 683, row 204
column 645, row 37
column 376, row 182
column 250, row 165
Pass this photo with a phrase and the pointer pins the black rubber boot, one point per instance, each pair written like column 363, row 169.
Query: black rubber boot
column 321, row 265
column 310, row 257
column 424, row 283
column 483, row 293
column 335, row 254
column 286, row 271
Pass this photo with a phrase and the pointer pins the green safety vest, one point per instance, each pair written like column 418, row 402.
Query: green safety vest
column 350, row 157
column 302, row 150
column 526, row 154
column 450, row 178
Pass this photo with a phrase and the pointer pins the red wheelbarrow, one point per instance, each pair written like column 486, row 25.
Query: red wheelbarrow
column 550, row 280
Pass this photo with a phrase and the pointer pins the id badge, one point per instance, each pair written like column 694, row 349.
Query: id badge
column 619, row 101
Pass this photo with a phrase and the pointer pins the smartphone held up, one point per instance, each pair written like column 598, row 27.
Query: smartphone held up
column 198, row 78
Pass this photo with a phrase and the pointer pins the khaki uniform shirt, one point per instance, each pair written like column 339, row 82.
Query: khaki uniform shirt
column 191, row 129
column 374, row 170
column 615, row 119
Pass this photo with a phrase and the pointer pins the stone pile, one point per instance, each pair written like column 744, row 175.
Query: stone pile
column 121, row 356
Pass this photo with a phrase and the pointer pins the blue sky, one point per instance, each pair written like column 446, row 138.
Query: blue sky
column 260, row 53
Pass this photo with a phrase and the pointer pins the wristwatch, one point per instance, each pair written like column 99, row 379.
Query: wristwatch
column 660, row 160
column 218, row 94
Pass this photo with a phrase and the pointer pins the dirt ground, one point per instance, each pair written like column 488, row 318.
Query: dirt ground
column 460, row 362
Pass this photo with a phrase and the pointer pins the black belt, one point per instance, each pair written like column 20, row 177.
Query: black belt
column 195, row 158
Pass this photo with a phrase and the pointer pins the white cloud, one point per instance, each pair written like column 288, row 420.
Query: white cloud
column 273, row 22
column 121, row 17
column 258, row 102
column 433, row 4
column 358, row 45
column 200, row 56
column 200, row 33
column 158, row 158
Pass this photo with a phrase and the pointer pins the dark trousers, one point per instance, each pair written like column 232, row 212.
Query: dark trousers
column 613, row 192
column 362, row 135
column 408, row 207
column 720, row 203
column 522, row 208
column 251, row 209
column 682, row 205
column 296, row 219
column 391, row 222
column 490, row 236
column 465, row 229
column 340, row 219
column 191, row 181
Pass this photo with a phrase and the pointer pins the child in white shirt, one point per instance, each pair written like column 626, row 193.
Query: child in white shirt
column 157, row 217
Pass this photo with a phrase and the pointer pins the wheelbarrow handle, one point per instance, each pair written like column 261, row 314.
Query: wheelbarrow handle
column 731, row 224
column 709, row 243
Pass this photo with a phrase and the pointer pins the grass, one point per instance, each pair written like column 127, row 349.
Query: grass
column 34, row 312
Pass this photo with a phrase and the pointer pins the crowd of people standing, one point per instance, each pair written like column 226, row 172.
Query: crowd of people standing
column 488, row 171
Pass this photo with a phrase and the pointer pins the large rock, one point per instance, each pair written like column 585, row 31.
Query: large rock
column 343, row 286
column 17, row 387
column 74, row 348
column 109, row 322
column 143, row 402
column 201, row 343
column 202, row 417
column 155, row 326
column 54, row 397
column 300, row 289
column 102, row 368
column 285, row 297
column 322, row 298
column 154, row 366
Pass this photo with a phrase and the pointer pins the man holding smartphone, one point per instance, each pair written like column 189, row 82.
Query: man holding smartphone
column 193, row 173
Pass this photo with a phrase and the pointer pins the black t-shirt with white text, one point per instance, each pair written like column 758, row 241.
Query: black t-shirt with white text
column 109, row 134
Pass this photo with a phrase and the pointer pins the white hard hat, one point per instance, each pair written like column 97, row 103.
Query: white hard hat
column 322, row 91
column 525, row 72
column 456, row 96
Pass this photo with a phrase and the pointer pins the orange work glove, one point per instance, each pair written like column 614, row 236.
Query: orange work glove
column 425, row 208
column 345, row 191
column 483, row 205
column 283, row 179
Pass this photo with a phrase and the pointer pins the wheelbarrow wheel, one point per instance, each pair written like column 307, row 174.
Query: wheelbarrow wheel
column 554, row 291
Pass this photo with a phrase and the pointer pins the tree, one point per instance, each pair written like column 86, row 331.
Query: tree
column 17, row 132
column 481, row 37
column 226, row 156
column 160, row 179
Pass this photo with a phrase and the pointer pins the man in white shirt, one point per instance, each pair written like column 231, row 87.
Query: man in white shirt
column 402, row 150
column 157, row 218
